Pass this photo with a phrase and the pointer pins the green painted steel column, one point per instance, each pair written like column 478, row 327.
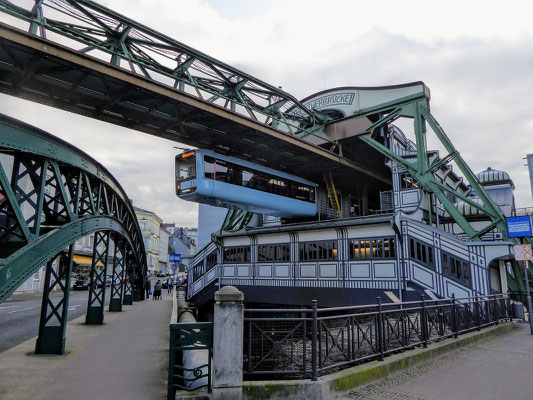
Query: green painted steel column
column 117, row 283
column 128, row 275
column 95, row 306
column 54, row 316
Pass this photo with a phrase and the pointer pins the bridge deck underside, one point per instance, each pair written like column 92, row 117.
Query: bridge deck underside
column 44, row 72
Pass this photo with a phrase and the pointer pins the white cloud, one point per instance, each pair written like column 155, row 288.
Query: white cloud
column 475, row 58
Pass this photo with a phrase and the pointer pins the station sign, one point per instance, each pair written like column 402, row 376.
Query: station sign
column 174, row 257
column 519, row 227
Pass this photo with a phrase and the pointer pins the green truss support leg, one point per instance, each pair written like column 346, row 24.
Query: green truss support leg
column 117, row 283
column 128, row 284
column 95, row 307
column 53, row 323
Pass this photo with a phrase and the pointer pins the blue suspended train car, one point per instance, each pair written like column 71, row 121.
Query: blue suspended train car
column 204, row 176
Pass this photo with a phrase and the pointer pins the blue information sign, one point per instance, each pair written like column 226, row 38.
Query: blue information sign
column 519, row 226
column 174, row 257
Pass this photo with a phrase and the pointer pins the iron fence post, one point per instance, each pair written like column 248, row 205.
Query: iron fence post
column 424, row 321
column 495, row 314
column 171, row 362
column 478, row 313
column 380, row 330
column 314, row 371
column 455, row 328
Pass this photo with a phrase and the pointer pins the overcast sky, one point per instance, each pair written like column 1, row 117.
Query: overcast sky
column 476, row 59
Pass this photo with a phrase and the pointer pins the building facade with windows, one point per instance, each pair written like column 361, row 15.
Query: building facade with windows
column 150, row 225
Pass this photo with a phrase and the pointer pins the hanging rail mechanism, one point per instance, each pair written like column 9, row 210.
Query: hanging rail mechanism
column 155, row 56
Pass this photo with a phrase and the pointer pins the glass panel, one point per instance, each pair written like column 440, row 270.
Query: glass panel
column 466, row 272
column 423, row 253
column 445, row 265
column 185, row 168
column 365, row 248
column 209, row 167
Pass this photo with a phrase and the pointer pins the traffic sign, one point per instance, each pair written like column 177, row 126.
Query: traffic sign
column 523, row 252
column 519, row 226
column 174, row 257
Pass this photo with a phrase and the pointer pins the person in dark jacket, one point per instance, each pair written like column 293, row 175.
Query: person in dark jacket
column 147, row 287
column 157, row 290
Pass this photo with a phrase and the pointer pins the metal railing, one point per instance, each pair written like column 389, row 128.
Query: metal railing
column 309, row 342
column 189, row 337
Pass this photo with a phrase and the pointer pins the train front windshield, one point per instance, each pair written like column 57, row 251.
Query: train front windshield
column 185, row 173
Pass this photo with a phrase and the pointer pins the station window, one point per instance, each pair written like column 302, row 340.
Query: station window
column 371, row 248
column 237, row 254
column 316, row 251
column 456, row 268
column 421, row 252
column 276, row 252
column 407, row 182
column 211, row 261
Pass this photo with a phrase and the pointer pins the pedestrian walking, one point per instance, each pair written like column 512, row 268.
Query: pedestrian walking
column 148, row 288
column 170, row 285
column 157, row 290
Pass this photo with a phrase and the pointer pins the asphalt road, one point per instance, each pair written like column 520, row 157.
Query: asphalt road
column 19, row 315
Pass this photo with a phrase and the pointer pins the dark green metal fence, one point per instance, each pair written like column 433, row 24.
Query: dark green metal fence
column 189, row 337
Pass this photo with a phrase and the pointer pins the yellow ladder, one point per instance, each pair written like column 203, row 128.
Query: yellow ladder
column 332, row 194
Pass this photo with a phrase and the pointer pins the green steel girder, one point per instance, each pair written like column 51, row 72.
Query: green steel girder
column 236, row 220
column 19, row 266
column 159, row 57
column 55, row 195
column 417, row 108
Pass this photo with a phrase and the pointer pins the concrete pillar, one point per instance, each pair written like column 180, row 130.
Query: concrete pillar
column 227, row 344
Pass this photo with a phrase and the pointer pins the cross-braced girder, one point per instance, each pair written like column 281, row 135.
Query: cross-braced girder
column 417, row 108
column 52, row 194
column 100, row 32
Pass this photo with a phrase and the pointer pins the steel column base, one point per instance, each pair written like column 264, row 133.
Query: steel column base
column 136, row 295
column 51, row 341
column 128, row 300
column 115, row 305
column 95, row 316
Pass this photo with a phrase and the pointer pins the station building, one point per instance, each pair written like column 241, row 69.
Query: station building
column 377, row 233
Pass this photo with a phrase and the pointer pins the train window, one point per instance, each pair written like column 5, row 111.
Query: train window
column 209, row 167
column 185, row 168
column 234, row 174
column 226, row 172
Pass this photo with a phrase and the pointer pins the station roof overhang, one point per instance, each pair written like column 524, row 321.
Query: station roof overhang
column 39, row 70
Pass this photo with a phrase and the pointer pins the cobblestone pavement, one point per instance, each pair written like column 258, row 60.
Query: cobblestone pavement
column 499, row 368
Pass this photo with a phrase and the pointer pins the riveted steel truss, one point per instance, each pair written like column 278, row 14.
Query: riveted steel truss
column 54, row 311
column 51, row 195
column 416, row 107
column 97, row 282
column 97, row 31
column 117, row 280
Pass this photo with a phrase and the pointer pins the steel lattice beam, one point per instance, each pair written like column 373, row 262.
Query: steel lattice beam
column 55, row 195
column 143, row 51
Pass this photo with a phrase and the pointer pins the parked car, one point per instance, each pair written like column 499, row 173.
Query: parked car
column 81, row 284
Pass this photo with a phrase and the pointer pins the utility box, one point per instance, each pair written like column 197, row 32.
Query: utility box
column 518, row 311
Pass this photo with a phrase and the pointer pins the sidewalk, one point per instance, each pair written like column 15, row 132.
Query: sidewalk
column 126, row 358
column 494, row 369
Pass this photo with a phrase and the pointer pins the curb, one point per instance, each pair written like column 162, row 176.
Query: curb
column 330, row 385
